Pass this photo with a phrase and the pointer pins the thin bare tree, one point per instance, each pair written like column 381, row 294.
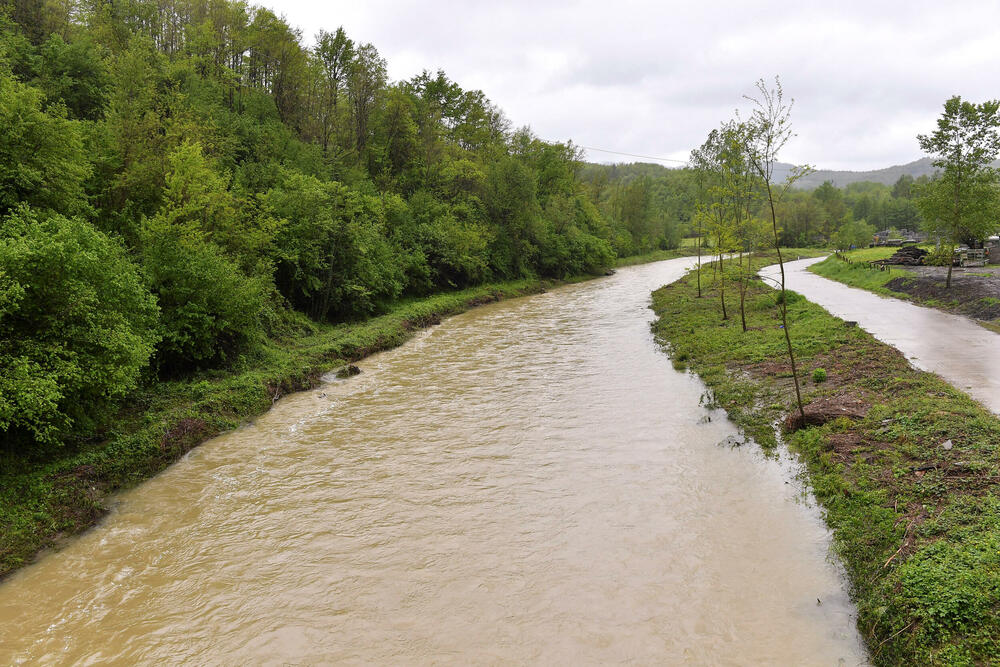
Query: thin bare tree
column 769, row 129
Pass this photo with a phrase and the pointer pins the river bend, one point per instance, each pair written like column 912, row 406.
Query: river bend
column 529, row 482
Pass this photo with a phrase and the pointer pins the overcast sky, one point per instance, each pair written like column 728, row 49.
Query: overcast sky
column 653, row 78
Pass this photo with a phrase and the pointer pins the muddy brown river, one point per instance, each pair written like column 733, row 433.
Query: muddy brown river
column 530, row 482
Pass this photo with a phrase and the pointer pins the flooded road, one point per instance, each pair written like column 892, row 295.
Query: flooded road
column 954, row 347
column 529, row 482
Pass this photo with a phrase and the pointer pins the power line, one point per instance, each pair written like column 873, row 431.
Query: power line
column 644, row 157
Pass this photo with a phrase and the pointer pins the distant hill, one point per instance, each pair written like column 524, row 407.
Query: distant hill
column 886, row 176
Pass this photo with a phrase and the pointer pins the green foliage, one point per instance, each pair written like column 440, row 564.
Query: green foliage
column 75, row 75
column 942, row 255
column 641, row 206
column 963, row 204
column 210, row 312
column 42, row 161
column 332, row 254
column 512, row 207
column 450, row 250
column 853, row 234
column 819, row 375
column 76, row 326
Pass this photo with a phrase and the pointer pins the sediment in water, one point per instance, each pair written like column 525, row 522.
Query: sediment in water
column 45, row 500
column 916, row 523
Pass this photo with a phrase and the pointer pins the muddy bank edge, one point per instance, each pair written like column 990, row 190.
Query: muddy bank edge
column 44, row 500
column 904, row 465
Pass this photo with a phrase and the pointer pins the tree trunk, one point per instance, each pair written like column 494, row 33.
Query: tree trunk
column 744, row 277
column 699, row 264
column 784, row 306
column 722, row 288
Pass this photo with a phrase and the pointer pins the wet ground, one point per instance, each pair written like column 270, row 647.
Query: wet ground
column 974, row 292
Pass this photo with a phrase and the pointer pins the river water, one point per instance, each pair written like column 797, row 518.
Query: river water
column 529, row 482
column 954, row 347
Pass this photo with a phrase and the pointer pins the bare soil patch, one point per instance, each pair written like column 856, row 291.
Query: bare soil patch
column 825, row 410
column 974, row 292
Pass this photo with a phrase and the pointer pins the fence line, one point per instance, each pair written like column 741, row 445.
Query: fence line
column 874, row 266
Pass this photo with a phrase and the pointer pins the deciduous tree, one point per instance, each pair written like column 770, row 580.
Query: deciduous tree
column 963, row 202
column 769, row 129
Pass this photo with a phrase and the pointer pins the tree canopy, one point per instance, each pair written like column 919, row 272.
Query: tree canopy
column 963, row 203
column 192, row 171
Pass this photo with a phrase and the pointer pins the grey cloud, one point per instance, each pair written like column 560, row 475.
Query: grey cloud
column 654, row 77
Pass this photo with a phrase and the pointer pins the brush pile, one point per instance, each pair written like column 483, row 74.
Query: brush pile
column 906, row 256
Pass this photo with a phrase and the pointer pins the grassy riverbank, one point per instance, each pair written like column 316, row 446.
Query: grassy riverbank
column 859, row 274
column 685, row 250
column 915, row 517
column 44, row 499
column 974, row 293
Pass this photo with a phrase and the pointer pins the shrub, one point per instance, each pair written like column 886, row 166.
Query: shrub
column 940, row 256
column 42, row 161
column 210, row 310
column 333, row 258
column 77, row 326
column 819, row 375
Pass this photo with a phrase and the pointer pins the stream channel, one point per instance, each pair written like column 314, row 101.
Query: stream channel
column 528, row 482
column 953, row 346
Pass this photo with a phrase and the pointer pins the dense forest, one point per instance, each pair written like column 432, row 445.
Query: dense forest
column 180, row 179
column 849, row 216
column 654, row 200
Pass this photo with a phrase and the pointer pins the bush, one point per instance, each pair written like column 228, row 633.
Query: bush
column 210, row 310
column 940, row 256
column 332, row 256
column 456, row 251
column 42, row 161
column 819, row 375
column 77, row 326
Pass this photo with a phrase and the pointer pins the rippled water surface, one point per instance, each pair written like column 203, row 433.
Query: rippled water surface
column 527, row 482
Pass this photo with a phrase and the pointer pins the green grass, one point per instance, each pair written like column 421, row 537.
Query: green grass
column 859, row 275
column 916, row 525
column 871, row 254
column 879, row 252
column 685, row 250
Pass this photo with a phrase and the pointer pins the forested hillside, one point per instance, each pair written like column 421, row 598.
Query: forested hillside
column 652, row 200
column 181, row 179
column 885, row 176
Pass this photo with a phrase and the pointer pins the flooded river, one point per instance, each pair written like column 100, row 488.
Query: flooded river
column 954, row 347
column 530, row 482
